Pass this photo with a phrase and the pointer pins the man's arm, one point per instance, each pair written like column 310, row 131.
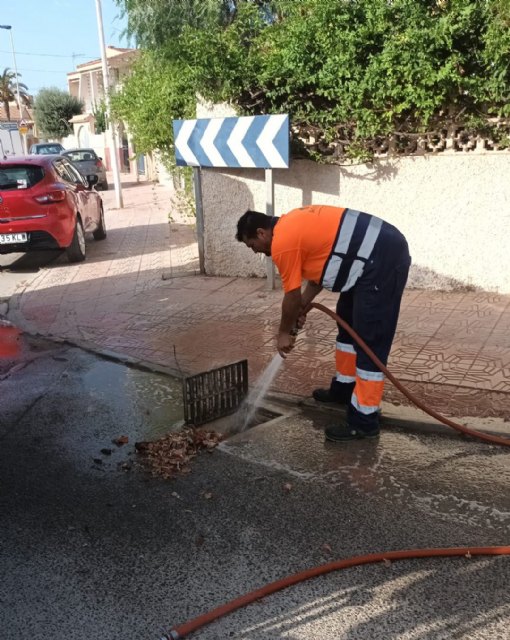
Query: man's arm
column 311, row 290
column 291, row 307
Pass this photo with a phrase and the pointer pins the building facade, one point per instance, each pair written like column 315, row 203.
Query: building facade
column 86, row 84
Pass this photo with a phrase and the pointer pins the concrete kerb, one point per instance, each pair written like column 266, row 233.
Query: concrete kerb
column 410, row 418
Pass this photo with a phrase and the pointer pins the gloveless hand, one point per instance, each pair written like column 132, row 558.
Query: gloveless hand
column 285, row 343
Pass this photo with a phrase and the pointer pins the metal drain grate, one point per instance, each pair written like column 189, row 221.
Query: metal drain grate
column 216, row 393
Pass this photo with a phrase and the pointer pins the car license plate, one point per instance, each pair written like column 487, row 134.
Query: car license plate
column 13, row 238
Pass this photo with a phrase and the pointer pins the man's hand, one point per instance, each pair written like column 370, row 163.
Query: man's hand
column 285, row 343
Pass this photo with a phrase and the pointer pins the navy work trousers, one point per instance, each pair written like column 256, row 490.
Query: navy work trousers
column 371, row 307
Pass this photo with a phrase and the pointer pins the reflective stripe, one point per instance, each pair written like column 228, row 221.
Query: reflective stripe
column 334, row 263
column 354, row 274
column 345, row 347
column 355, row 243
column 349, row 220
column 348, row 223
column 375, row 376
column 362, row 408
column 341, row 378
column 371, row 236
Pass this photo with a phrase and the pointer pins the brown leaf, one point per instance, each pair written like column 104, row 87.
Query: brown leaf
column 207, row 495
column 326, row 548
column 120, row 440
column 287, row 487
column 172, row 454
column 387, row 563
column 468, row 555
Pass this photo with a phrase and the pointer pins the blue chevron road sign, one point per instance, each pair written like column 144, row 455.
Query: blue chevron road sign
column 249, row 142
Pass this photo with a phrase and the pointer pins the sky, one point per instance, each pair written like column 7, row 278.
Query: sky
column 51, row 37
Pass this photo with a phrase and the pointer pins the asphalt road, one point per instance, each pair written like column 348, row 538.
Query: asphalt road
column 92, row 546
column 18, row 269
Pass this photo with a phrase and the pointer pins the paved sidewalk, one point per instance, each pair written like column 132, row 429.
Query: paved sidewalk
column 138, row 294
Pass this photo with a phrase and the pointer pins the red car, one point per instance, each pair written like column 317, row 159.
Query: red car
column 45, row 203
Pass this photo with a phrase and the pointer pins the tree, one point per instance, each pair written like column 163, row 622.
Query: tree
column 153, row 23
column 157, row 92
column 53, row 110
column 8, row 91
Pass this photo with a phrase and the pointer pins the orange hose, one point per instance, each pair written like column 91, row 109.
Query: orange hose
column 449, row 423
column 185, row 629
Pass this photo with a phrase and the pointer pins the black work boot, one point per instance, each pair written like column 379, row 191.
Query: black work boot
column 324, row 395
column 358, row 427
column 344, row 433
column 338, row 392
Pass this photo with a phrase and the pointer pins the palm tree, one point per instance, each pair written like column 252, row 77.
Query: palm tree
column 8, row 91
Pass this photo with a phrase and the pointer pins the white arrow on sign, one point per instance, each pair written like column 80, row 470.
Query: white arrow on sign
column 182, row 143
column 265, row 141
column 207, row 142
column 235, row 141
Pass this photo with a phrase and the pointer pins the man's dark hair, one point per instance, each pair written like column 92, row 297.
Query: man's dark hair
column 249, row 222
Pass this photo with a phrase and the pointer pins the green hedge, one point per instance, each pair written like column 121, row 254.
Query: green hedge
column 345, row 70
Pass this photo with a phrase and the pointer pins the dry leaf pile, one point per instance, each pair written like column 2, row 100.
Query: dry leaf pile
column 172, row 454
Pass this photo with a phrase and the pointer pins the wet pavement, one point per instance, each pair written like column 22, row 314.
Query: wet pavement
column 94, row 547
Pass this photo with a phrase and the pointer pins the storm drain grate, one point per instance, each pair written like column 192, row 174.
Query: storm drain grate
column 215, row 393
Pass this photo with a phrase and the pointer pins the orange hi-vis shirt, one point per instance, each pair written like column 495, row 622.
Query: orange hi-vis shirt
column 302, row 243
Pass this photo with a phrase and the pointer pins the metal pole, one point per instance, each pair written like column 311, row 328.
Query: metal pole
column 8, row 27
column 111, row 127
column 270, row 212
column 197, row 186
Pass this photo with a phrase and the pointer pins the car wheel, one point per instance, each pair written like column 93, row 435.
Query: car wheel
column 76, row 250
column 100, row 232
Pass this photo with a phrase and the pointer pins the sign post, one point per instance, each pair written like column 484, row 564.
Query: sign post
column 251, row 142
column 199, row 207
column 23, row 129
column 269, row 212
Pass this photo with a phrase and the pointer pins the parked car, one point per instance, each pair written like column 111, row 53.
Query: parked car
column 46, row 148
column 45, row 203
column 89, row 163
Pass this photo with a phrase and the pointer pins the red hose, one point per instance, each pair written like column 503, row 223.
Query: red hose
column 185, row 629
column 449, row 423
column 189, row 627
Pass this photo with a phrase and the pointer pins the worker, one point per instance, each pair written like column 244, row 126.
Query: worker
column 363, row 258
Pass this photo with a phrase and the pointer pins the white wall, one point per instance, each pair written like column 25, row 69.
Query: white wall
column 454, row 209
column 69, row 142
column 90, row 140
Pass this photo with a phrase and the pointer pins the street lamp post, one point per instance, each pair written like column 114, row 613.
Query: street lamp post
column 8, row 27
column 111, row 126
